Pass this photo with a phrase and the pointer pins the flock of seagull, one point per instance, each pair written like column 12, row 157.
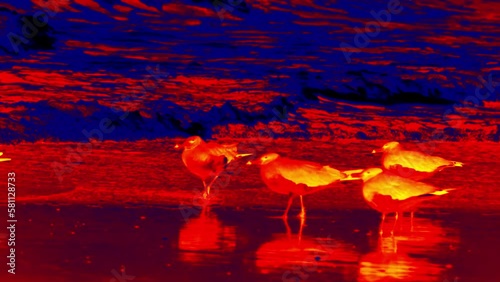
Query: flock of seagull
column 394, row 188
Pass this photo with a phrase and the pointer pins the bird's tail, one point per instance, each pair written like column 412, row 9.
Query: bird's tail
column 238, row 156
column 4, row 159
column 349, row 174
column 459, row 164
column 442, row 192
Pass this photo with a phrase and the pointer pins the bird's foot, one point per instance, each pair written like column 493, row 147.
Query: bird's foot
column 302, row 215
column 284, row 217
column 205, row 195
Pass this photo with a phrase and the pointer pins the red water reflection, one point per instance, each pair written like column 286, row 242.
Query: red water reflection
column 405, row 257
column 205, row 238
column 299, row 256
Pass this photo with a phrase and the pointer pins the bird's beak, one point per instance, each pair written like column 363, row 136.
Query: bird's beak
column 351, row 177
column 379, row 150
column 354, row 174
column 249, row 163
column 243, row 155
column 354, row 171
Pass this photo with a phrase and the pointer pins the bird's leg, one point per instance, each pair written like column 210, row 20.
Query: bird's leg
column 288, row 229
column 290, row 201
column 302, row 208
column 401, row 221
column 207, row 187
column 395, row 222
column 381, row 227
column 411, row 221
column 205, row 190
column 302, row 221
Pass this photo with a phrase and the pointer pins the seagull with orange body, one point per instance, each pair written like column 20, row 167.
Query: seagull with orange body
column 412, row 164
column 4, row 159
column 387, row 192
column 207, row 160
column 298, row 178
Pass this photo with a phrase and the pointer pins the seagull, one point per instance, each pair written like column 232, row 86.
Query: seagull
column 207, row 160
column 298, row 178
column 387, row 192
column 4, row 159
column 412, row 164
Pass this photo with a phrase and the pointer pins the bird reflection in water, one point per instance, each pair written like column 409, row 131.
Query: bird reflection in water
column 410, row 256
column 296, row 257
column 206, row 239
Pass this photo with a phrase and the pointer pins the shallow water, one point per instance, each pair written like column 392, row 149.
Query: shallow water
column 82, row 243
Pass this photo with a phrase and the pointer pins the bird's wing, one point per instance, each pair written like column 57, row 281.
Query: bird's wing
column 229, row 151
column 414, row 160
column 204, row 160
column 397, row 187
column 308, row 173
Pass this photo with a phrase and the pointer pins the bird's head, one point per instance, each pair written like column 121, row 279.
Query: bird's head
column 387, row 147
column 190, row 143
column 369, row 173
column 265, row 159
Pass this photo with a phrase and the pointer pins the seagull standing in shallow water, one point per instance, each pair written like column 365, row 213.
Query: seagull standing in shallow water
column 298, row 178
column 412, row 164
column 387, row 192
column 207, row 160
